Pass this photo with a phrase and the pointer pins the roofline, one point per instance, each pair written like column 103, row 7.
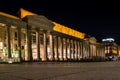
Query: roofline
column 8, row 15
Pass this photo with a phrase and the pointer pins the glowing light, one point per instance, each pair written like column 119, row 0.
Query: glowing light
column 1, row 24
column 108, row 39
column 114, row 51
column 68, row 31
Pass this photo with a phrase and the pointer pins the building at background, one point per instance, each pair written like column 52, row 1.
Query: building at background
column 32, row 37
column 111, row 48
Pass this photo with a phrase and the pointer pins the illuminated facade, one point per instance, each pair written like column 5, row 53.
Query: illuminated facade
column 111, row 48
column 33, row 37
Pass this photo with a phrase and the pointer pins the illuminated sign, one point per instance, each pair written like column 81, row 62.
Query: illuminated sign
column 25, row 13
column 68, row 31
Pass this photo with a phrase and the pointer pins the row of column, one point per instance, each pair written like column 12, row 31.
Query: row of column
column 96, row 50
column 61, row 49
column 65, row 49
column 8, row 41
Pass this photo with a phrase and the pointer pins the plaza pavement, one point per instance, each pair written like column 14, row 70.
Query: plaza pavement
column 61, row 71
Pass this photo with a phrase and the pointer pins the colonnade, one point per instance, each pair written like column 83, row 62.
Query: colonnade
column 35, row 44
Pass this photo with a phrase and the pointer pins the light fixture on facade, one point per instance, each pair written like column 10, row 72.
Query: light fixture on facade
column 2, row 24
column 108, row 39
column 13, row 26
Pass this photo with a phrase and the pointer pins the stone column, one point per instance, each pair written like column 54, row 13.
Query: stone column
column 29, row 49
column 66, row 48
column 19, row 42
column 57, row 48
column 82, row 49
column 77, row 49
column 38, row 44
column 97, row 47
column 45, row 45
column 89, row 50
column 72, row 50
column 8, row 41
column 62, row 48
column 52, row 46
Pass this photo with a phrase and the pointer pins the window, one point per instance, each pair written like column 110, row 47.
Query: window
column 15, row 35
column 34, row 39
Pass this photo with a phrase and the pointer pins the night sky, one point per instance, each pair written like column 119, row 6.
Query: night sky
column 98, row 19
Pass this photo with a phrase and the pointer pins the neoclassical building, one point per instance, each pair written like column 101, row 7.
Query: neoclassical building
column 33, row 37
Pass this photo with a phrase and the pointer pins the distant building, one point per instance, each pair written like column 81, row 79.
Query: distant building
column 111, row 48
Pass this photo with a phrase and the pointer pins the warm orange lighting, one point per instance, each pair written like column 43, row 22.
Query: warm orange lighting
column 8, row 15
column 25, row 13
column 68, row 31
column 114, row 51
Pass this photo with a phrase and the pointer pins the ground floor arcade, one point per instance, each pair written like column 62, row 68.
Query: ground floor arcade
column 40, row 45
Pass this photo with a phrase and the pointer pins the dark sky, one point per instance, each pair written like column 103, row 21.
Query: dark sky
column 98, row 19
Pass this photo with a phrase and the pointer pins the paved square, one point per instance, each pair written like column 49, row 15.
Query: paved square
column 61, row 71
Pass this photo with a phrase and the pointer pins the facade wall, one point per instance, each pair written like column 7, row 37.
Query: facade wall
column 33, row 43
